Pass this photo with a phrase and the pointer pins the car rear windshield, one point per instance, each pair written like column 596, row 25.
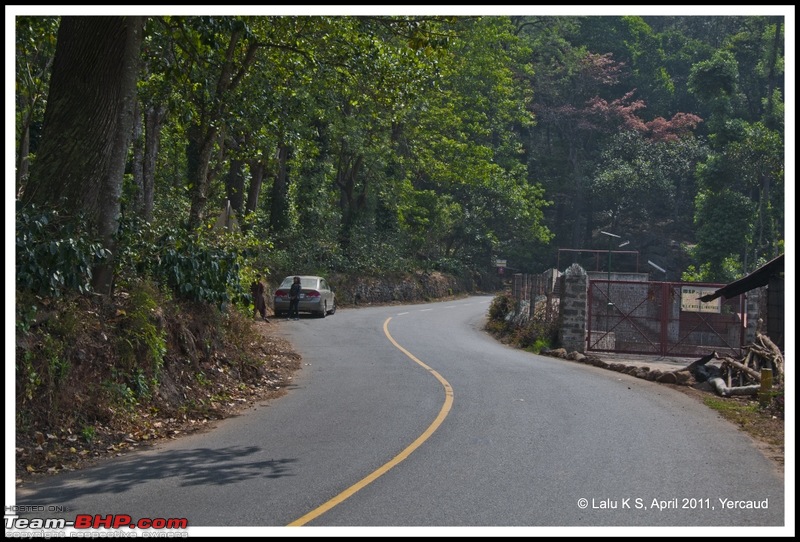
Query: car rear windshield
column 304, row 282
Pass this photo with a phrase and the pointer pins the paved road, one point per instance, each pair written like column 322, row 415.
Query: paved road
column 412, row 416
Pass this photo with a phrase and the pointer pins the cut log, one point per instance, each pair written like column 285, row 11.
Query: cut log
column 766, row 341
column 748, row 359
column 725, row 391
column 777, row 359
column 742, row 367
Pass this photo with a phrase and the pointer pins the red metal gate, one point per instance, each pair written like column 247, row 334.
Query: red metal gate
column 663, row 318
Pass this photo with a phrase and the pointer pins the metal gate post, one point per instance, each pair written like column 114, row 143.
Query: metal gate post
column 589, row 312
column 665, row 311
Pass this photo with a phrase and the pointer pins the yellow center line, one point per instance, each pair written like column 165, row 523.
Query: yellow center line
column 443, row 412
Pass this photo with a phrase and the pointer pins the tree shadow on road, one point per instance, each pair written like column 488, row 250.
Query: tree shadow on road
column 196, row 467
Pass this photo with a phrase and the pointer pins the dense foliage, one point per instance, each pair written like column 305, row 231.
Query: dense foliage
column 54, row 253
column 376, row 144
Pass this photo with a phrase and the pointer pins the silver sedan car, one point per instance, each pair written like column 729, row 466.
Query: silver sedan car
column 316, row 296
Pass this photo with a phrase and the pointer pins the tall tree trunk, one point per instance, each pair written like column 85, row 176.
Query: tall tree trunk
column 771, row 79
column 23, row 160
column 154, row 117
column 198, row 157
column 87, row 125
column 256, row 179
column 278, row 211
column 137, row 159
column 234, row 185
column 347, row 171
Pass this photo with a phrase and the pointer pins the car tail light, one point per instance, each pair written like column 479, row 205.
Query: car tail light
column 312, row 293
column 281, row 293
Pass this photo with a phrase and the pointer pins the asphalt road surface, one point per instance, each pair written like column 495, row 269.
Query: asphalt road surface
column 412, row 416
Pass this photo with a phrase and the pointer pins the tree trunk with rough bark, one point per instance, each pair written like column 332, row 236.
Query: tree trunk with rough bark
column 137, row 159
column 234, row 185
column 254, row 191
column 23, row 160
column 278, row 211
column 198, row 156
column 154, row 116
column 80, row 162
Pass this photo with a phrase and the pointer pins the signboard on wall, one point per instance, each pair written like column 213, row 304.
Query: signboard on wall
column 690, row 300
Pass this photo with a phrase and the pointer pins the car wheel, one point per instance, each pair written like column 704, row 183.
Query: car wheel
column 333, row 309
column 324, row 310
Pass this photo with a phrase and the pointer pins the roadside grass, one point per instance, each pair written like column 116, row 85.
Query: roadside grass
column 761, row 423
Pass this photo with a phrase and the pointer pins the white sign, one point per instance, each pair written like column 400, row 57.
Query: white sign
column 500, row 263
column 690, row 300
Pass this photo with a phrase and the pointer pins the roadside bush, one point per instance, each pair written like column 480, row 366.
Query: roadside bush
column 536, row 335
column 209, row 267
column 45, row 347
column 55, row 255
column 142, row 338
column 501, row 309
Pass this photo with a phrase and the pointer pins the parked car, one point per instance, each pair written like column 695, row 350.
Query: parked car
column 316, row 296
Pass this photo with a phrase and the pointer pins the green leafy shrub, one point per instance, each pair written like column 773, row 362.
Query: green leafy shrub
column 141, row 337
column 88, row 432
column 501, row 307
column 118, row 394
column 500, row 311
column 44, row 353
column 28, row 378
column 207, row 267
column 54, row 254
column 536, row 335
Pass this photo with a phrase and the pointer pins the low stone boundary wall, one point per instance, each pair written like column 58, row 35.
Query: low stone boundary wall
column 420, row 286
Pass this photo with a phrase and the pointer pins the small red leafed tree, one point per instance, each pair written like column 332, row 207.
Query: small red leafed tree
column 621, row 114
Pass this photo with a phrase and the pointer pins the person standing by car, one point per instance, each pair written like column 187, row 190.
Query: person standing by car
column 294, row 299
column 259, row 298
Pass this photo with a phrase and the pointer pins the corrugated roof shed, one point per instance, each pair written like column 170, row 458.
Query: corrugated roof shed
column 759, row 277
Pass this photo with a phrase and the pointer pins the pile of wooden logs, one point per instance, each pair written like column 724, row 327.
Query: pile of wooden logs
column 761, row 368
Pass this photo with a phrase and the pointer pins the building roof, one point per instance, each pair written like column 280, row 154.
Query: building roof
column 759, row 277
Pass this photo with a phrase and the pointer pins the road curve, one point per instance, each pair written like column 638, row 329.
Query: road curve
column 366, row 437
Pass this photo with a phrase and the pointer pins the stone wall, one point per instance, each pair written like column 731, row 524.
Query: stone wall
column 420, row 286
